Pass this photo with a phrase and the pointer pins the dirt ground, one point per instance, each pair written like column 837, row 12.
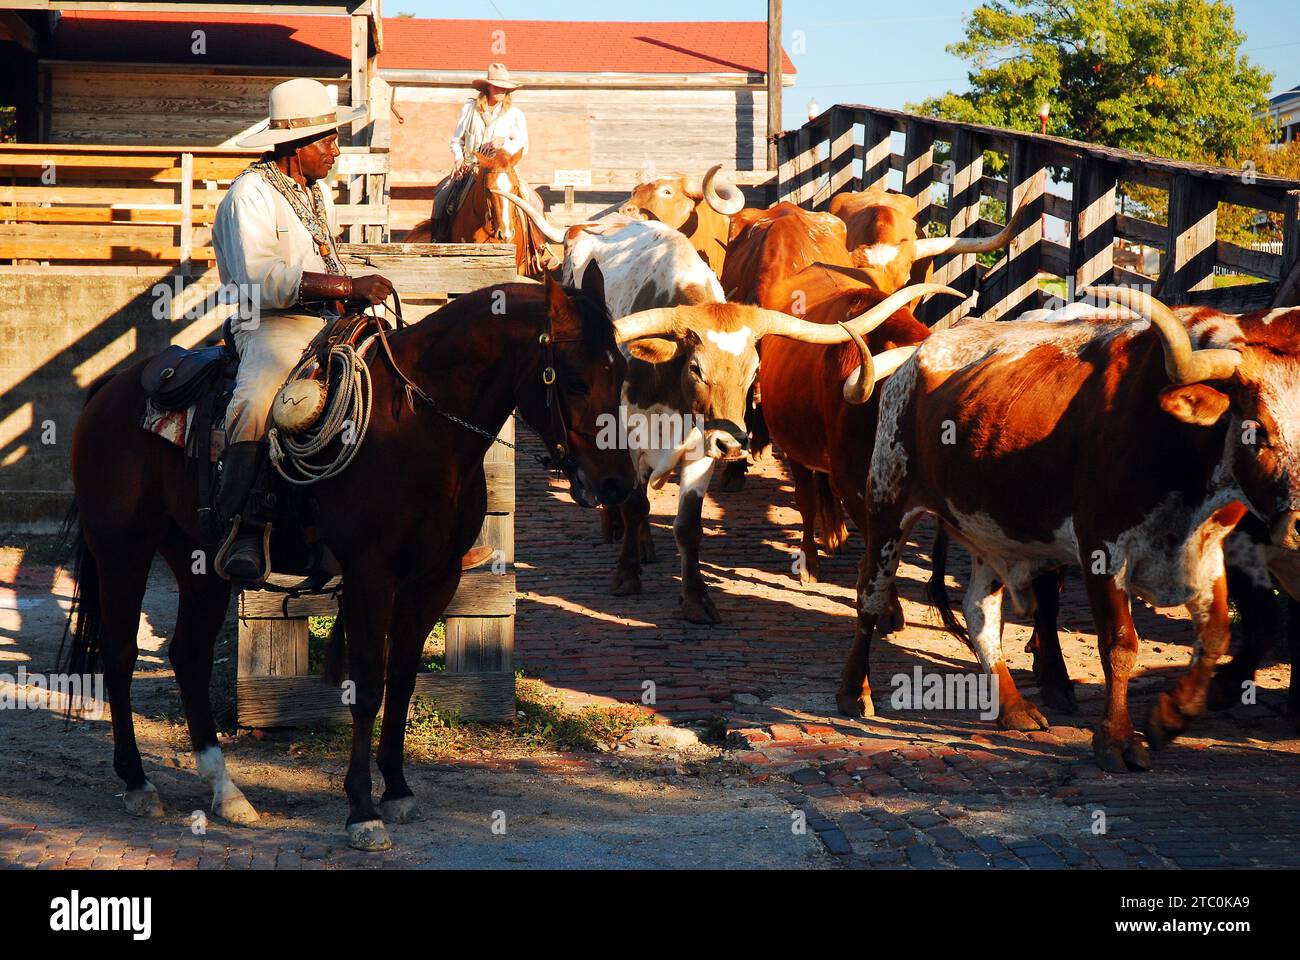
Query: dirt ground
column 60, row 800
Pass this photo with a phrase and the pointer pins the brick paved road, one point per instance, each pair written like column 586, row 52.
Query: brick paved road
column 905, row 789
column 916, row 788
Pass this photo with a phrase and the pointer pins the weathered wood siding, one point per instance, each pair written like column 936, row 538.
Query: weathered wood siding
column 83, row 103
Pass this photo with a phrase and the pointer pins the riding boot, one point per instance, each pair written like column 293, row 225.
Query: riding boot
column 245, row 500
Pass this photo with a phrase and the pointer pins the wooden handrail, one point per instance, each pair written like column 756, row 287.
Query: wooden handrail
column 860, row 154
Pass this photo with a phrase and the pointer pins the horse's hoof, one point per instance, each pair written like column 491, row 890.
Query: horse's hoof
column 144, row 802
column 368, row 835
column 1120, row 756
column 699, row 609
column 1022, row 716
column 851, row 706
column 1060, row 696
column 810, row 575
column 401, row 810
column 235, row 808
column 625, row 585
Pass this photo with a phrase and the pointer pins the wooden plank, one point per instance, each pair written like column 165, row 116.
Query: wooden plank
column 483, row 644
column 1092, row 240
column 290, row 701
column 963, row 213
column 1016, row 287
column 1288, row 291
column 1256, row 263
column 877, row 151
column 1141, row 231
column 141, row 215
column 1242, row 298
column 1193, row 219
column 106, row 196
column 185, row 240
column 481, row 593
column 841, row 151
column 918, row 161
column 272, row 648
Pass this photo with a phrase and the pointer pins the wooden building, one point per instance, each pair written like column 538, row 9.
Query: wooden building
column 607, row 103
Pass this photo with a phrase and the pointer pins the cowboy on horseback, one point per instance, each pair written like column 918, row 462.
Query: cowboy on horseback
column 274, row 235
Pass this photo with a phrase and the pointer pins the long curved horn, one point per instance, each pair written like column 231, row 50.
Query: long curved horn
column 721, row 194
column 657, row 322
column 933, row 246
column 1183, row 364
column 783, row 325
column 859, row 384
column 549, row 230
column 882, row 365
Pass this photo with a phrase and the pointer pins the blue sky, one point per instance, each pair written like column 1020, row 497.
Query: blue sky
column 867, row 51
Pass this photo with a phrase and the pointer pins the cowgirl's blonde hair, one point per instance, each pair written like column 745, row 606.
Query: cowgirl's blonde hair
column 481, row 101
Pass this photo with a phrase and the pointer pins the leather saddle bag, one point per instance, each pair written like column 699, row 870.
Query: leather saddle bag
column 176, row 378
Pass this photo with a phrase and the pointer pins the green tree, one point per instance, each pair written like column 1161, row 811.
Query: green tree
column 1160, row 76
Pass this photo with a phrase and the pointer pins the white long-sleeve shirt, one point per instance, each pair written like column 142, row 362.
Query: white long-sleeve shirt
column 259, row 241
column 473, row 130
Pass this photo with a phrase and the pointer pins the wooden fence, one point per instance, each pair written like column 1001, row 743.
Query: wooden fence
column 274, row 686
column 64, row 203
column 859, row 154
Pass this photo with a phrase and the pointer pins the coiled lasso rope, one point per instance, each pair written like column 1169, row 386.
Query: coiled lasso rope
column 297, row 456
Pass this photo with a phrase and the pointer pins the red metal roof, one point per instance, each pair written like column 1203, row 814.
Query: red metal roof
column 531, row 46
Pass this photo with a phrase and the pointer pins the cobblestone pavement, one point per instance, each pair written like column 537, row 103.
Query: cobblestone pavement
column 907, row 788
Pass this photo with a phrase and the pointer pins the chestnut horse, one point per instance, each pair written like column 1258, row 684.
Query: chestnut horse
column 398, row 519
column 486, row 218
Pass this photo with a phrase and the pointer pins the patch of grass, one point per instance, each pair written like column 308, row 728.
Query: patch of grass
column 542, row 724
column 433, row 660
column 33, row 548
column 1235, row 280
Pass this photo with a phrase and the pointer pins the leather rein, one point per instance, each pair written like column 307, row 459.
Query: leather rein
column 558, row 459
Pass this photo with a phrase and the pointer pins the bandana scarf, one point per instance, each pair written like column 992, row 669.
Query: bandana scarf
column 313, row 219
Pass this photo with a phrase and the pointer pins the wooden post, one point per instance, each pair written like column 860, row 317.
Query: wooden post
column 774, row 78
column 1193, row 221
column 918, row 172
column 1015, row 289
column 964, row 197
column 877, row 150
column 841, row 152
column 360, row 95
column 784, row 168
column 1288, row 290
column 186, row 239
column 1092, row 211
column 805, row 187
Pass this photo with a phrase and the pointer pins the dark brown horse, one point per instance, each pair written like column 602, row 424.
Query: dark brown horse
column 398, row 520
column 486, row 218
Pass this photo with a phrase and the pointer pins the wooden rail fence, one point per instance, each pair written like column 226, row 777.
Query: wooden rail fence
column 66, row 203
column 850, row 147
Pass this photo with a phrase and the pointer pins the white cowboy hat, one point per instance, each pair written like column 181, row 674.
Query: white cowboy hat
column 300, row 108
column 497, row 76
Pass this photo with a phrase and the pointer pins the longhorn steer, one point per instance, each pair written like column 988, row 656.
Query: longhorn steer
column 1116, row 446
column 882, row 238
column 700, row 209
column 691, row 366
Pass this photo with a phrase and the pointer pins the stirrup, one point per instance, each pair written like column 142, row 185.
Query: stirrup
column 219, row 564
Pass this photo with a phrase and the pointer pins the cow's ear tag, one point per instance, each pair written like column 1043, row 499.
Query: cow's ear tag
column 1194, row 403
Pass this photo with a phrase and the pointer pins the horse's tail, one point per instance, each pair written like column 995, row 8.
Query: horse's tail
column 83, row 652
column 830, row 518
column 937, row 589
column 335, row 651
column 422, row 232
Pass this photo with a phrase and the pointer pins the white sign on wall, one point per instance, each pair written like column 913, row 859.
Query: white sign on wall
column 571, row 178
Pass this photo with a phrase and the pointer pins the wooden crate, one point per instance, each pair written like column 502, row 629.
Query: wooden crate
column 274, row 687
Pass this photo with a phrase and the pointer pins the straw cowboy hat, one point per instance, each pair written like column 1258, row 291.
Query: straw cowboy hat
column 300, row 108
column 497, row 76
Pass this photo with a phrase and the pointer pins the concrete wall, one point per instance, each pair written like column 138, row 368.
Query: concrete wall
column 60, row 329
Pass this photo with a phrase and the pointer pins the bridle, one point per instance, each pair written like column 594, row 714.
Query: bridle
column 558, row 458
